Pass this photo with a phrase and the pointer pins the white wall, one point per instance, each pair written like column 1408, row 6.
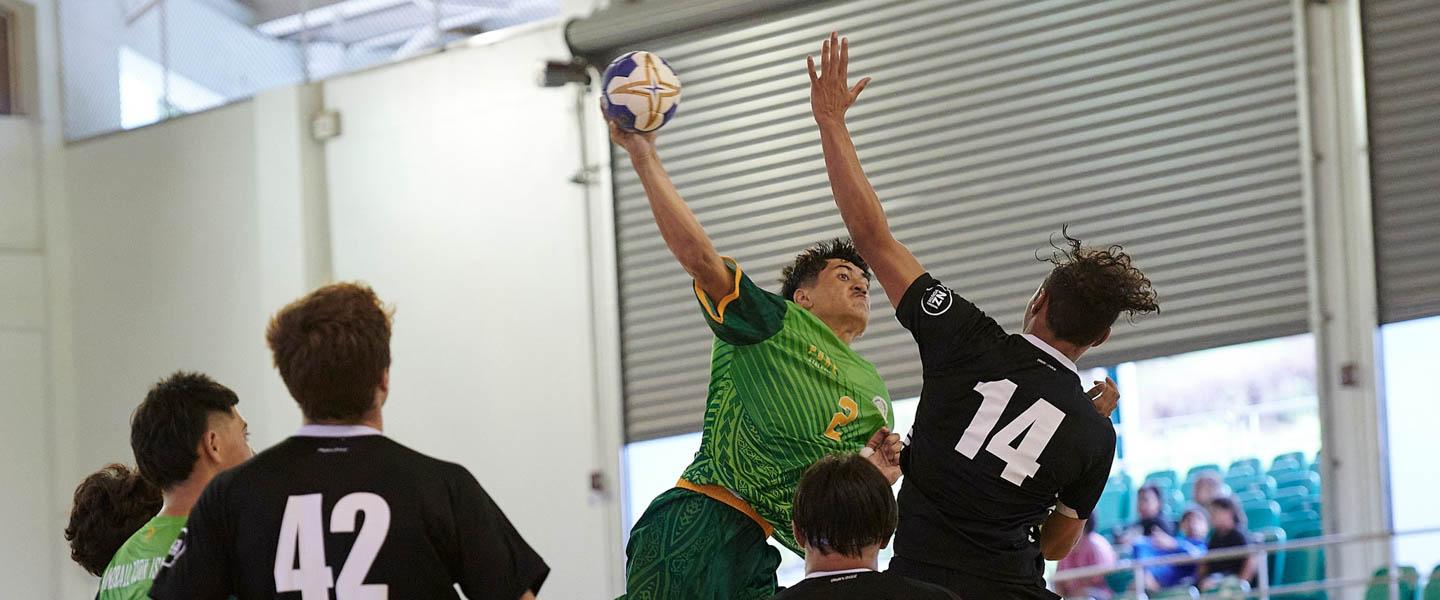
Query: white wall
column 449, row 194
column 24, row 416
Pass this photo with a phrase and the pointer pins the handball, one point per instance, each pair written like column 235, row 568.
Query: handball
column 640, row 91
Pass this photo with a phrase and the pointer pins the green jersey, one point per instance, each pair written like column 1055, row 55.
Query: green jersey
column 129, row 574
column 784, row 392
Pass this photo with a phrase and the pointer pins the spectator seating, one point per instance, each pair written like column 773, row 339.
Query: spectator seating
column 1432, row 589
column 1379, row 588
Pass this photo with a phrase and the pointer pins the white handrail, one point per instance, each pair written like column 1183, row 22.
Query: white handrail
column 1263, row 590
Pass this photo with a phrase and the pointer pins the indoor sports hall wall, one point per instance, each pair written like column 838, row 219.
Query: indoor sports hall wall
column 449, row 191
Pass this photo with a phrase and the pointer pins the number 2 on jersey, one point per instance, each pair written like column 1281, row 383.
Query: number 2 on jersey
column 849, row 410
column 1037, row 425
column 301, row 532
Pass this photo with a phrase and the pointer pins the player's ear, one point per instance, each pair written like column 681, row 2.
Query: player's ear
column 385, row 381
column 802, row 297
column 210, row 445
column 800, row 539
column 1103, row 336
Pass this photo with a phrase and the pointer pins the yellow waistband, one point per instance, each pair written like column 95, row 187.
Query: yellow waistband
column 728, row 498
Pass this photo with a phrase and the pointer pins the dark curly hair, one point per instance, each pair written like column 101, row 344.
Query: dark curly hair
column 167, row 427
column 110, row 506
column 332, row 348
column 1090, row 287
column 809, row 263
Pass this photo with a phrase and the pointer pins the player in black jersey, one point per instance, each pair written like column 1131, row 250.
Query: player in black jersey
column 844, row 515
column 339, row 510
column 1008, row 454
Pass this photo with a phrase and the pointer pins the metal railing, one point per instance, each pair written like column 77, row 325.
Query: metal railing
column 1263, row 590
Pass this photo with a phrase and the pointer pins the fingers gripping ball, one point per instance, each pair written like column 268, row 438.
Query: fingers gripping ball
column 640, row 91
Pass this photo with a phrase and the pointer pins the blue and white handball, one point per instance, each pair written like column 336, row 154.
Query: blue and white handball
column 640, row 91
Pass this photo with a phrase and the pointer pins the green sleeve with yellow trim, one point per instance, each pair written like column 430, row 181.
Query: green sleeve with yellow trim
column 747, row 315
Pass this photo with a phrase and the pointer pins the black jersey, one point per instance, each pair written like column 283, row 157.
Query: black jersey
column 347, row 517
column 1004, row 432
column 863, row 585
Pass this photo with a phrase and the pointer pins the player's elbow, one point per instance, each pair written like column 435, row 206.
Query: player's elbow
column 1055, row 551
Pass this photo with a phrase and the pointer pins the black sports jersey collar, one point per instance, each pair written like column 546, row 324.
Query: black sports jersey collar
column 823, row 574
column 336, row 431
column 1048, row 349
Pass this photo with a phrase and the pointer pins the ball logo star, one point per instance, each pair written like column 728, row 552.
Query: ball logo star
column 653, row 89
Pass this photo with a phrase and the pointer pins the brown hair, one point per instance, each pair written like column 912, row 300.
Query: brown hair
column 110, row 506
column 332, row 348
column 1090, row 287
column 843, row 505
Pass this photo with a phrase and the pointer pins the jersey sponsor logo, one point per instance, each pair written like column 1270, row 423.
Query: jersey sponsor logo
column 881, row 406
column 177, row 549
column 937, row 300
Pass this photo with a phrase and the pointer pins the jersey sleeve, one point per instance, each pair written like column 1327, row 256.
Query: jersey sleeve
column 746, row 315
column 1078, row 498
column 948, row 329
column 196, row 568
column 494, row 561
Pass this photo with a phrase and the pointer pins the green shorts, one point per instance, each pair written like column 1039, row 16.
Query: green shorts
column 688, row 546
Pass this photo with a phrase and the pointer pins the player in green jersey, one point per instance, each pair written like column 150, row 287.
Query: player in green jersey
column 186, row 431
column 785, row 390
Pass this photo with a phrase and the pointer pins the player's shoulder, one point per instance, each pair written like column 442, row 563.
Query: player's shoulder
column 920, row 590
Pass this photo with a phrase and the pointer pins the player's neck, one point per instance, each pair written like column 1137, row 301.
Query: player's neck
column 371, row 418
column 816, row 561
column 180, row 498
column 1071, row 350
column 845, row 328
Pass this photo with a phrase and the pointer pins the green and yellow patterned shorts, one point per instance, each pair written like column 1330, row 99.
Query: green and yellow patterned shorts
column 688, row 546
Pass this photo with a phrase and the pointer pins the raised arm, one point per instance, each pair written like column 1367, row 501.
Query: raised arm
column 682, row 231
column 830, row 97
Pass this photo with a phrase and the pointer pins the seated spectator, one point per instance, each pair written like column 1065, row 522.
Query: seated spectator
column 1191, row 541
column 844, row 514
column 1207, row 487
column 1229, row 531
column 1093, row 550
column 1151, row 507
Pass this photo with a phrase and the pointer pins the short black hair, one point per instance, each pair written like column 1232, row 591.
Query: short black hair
column 1090, row 287
column 843, row 505
column 809, row 263
column 1228, row 504
column 167, row 427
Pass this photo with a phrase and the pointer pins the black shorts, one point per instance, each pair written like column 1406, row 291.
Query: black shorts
column 967, row 586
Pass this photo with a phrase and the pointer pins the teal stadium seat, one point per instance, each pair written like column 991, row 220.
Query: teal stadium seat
column 1306, row 479
column 1380, row 586
column 1264, row 483
column 1298, row 524
column 1165, row 480
column 1299, row 458
column 1196, row 470
column 1239, row 466
column 1432, row 589
column 1292, row 499
column 1120, row 581
column 1264, row 514
column 1304, row 565
column 1273, row 535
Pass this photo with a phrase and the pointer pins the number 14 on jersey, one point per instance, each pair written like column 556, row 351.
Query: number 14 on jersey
column 1037, row 425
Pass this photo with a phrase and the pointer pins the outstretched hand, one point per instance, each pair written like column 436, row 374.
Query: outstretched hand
column 883, row 451
column 634, row 142
column 830, row 92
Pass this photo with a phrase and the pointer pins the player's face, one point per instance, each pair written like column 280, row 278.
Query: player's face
column 234, row 438
column 841, row 290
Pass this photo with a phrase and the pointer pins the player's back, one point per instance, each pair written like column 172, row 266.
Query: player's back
column 354, row 513
column 862, row 584
column 1004, row 431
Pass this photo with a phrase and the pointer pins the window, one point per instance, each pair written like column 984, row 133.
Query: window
column 1407, row 360
column 7, row 85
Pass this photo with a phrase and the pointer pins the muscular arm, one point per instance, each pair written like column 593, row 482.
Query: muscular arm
column 678, row 226
column 859, row 206
column 1059, row 535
